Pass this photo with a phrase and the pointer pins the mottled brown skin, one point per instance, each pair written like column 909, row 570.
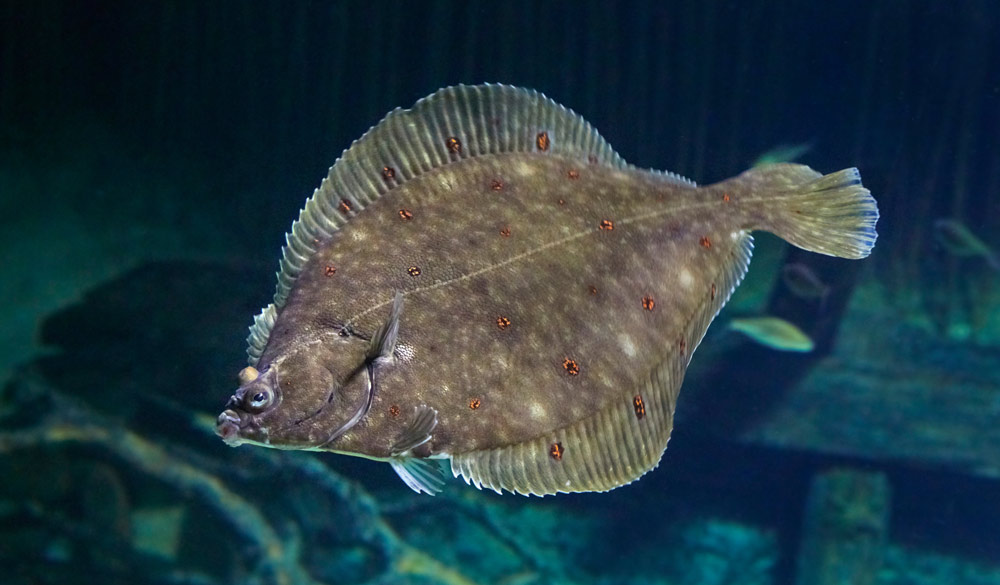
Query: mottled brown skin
column 308, row 387
column 667, row 242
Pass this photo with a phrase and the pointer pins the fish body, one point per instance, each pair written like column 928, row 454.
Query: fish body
column 773, row 332
column 482, row 279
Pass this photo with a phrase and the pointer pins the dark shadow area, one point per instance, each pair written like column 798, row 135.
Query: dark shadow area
column 162, row 334
column 734, row 383
column 947, row 512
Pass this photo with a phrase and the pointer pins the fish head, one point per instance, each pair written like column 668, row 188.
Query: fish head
column 300, row 400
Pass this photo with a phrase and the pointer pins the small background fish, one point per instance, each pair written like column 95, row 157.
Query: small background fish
column 804, row 282
column 773, row 332
column 959, row 240
column 783, row 153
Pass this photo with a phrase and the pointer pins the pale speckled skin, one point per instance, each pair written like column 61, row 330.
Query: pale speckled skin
column 451, row 349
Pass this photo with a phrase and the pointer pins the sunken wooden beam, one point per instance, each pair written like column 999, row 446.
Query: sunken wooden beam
column 888, row 391
column 891, row 392
column 845, row 531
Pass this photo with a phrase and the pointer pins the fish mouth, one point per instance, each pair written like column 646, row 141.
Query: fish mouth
column 227, row 426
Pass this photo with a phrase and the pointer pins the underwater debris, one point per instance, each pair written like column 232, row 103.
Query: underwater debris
column 773, row 332
column 157, row 531
column 278, row 553
column 846, row 528
column 717, row 551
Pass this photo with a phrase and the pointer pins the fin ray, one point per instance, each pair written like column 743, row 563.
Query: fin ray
column 383, row 342
column 420, row 475
column 830, row 214
column 418, row 432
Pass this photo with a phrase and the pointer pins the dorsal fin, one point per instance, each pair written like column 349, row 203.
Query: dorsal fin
column 447, row 126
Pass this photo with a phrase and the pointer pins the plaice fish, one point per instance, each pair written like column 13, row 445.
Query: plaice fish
column 482, row 280
column 773, row 332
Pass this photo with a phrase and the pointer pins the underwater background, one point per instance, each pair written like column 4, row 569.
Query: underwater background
column 153, row 155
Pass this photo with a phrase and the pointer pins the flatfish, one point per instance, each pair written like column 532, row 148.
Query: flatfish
column 482, row 280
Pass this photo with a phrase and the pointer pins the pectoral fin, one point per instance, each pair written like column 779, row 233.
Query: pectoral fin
column 383, row 342
column 417, row 432
column 421, row 475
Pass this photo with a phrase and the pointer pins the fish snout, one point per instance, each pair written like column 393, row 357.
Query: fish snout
column 227, row 426
column 236, row 399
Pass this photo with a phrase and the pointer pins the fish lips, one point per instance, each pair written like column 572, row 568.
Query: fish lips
column 235, row 423
column 228, row 426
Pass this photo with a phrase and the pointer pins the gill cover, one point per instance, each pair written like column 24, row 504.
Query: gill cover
column 380, row 349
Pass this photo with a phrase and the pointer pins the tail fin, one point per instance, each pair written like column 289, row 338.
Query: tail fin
column 830, row 214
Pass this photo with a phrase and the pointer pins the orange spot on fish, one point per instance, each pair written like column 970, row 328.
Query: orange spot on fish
column 639, row 407
column 345, row 205
column 571, row 367
column 704, row 241
column 556, row 451
column 592, row 289
column 505, row 232
column 330, row 270
column 648, row 303
column 503, row 322
column 725, row 197
column 682, row 345
column 607, row 224
column 713, row 291
column 405, row 214
column 454, row 145
column 475, row 403
column 561, row 202
column 388, row 173
column 394, row 411
column 573, row 174
column 542, row 141
column 496, row 185
column 414, row 270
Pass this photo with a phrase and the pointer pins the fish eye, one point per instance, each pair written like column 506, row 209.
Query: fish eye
column 260, row 400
